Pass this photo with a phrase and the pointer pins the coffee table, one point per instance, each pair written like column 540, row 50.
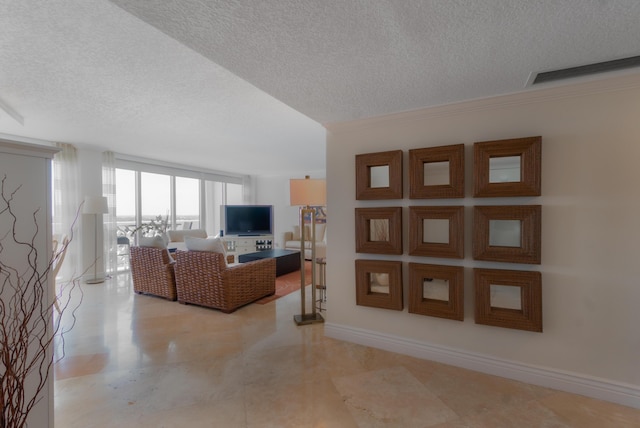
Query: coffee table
column 286, row 260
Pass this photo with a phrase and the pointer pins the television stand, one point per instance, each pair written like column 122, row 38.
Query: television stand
column 243, row 244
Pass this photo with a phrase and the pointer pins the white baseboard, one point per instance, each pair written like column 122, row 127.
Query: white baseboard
column 602, row 389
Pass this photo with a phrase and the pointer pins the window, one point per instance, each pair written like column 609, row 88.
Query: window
column 155, row 197
column 218, row 194
column 187, row 203
column 144, row 192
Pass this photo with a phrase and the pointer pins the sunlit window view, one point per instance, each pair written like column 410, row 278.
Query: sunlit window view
column 154, row 193
column 155, row 197
column 187, row 203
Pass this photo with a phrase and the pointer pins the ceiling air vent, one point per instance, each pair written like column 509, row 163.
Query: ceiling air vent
column 585, row 70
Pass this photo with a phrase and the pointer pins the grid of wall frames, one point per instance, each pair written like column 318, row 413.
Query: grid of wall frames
column 506, row 233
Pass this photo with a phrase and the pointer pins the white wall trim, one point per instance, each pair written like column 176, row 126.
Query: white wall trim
column 602, row 389
column 11, row 112
column 163, row 167
column 28, row 149
column 30, row 140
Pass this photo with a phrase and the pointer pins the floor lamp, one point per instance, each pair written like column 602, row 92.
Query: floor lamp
column 95, row 205
column 307, row 193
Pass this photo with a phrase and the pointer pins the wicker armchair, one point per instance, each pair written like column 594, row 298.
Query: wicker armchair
column 203, row 278
column 152, row 272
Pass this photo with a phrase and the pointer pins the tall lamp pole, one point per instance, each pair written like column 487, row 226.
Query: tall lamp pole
column 307, row 193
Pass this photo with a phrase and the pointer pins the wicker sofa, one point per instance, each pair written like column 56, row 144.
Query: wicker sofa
column 203, row 278
column 152, row 272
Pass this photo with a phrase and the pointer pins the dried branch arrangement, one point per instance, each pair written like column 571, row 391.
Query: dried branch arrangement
column 28, row 323
column 159, row 226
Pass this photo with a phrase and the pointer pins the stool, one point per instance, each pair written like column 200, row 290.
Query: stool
column 321, row 286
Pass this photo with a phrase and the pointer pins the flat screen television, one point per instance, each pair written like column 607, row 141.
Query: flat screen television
column 248, row 220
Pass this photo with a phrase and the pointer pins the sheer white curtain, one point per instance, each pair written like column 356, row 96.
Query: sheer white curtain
column 110, row 219
column 66, row 207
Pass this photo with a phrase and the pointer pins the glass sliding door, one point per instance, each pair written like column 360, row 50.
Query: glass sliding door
column 187, row 203
column 218, row 194
column 125, row 215
column 155, row 197
column 147, row 193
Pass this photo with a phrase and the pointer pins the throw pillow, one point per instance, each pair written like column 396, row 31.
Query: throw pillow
column 215, row 245
column 178, row 235
column 153, row 242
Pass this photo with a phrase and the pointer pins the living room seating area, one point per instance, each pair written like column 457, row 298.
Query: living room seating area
column 199, row 274
column 203, row 278
column 152, row 272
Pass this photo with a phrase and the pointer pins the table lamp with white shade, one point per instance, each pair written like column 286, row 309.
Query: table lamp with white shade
column 95, row 205
column 307, row 193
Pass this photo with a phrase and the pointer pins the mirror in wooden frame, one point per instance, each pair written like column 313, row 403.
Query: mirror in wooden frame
column 379, row 175
column 508, row 312
column 436, row 231
column 379, row 284
column 379, row 230
column 436, row 290
column 436, row 172
column 507, row 233
column 507, row 167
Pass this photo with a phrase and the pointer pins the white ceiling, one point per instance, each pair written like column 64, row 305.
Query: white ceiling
column 246, row 85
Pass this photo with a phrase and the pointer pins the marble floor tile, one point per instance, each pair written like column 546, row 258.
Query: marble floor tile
column 391, row 397
column 470, row 393
column 525, row 415
column 142, row 361
column 586, row 412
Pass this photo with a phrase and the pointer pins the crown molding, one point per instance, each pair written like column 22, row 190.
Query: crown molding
column 549, row 92
column 11, row 112
column 27, row 148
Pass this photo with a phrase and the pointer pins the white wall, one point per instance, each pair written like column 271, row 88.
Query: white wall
column 26, row 170
column 590, row 232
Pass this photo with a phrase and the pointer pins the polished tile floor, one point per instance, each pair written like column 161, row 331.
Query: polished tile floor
column 140, row 361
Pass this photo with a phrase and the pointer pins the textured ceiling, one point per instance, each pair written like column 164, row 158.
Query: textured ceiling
column 87, row 72
column 246, row 85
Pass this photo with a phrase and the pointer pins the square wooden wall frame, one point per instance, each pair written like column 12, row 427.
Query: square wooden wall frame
column 453, row 249
column 364, row 163
column 418, row 304
column 529, row 250
column 530, row 152
column 364, row 241
column 529, row 317
column 364, row 295
column 453, row 154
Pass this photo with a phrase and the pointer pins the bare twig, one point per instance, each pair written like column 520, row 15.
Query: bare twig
column 27, row 323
